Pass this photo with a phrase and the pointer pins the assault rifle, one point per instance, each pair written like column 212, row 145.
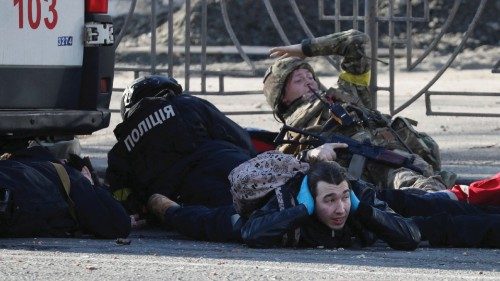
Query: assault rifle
column 346, row 119
column 360, row 151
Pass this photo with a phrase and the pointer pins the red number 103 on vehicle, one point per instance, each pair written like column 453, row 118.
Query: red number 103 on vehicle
column 35, row 10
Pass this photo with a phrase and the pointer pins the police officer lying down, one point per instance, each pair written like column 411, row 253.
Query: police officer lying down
column 174, row 144
column 42, row 196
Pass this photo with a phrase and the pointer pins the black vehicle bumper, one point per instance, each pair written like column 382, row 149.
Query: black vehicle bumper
column 19, row 123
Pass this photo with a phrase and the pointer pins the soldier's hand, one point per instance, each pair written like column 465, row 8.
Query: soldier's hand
column 287, row 51
column 324, row 152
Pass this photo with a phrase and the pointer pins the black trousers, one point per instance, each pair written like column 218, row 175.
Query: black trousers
column 207, row 182
column 445, row 222
column 220, row 224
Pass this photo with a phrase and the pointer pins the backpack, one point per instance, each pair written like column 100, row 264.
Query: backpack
column 420, row 143
column 254, row 179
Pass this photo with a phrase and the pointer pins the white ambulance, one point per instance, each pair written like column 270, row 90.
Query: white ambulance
column 56, row 68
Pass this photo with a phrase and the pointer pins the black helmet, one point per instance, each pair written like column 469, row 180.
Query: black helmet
column 148, row 86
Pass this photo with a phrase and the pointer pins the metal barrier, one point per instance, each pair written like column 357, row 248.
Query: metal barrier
column 410, row 65
column 496, row 68
column 371, row 21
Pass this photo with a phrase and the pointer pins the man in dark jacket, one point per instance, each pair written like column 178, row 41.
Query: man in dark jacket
column 41, row 196
column 330, row 217
column 174, row 144
column 323, row 210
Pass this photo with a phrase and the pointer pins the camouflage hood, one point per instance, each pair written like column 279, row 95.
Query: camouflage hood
column 276, row 78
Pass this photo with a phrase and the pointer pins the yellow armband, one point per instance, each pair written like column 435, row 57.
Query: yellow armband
column 360, row 80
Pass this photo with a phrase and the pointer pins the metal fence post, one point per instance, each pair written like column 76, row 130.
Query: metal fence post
column 187, row 47
column 371, row 20
column 371, row 28
column 170, row 38
column 204, row 46
column 153, row 37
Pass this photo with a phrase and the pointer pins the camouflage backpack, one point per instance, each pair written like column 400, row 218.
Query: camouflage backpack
column 420, row 143
column 254, row 179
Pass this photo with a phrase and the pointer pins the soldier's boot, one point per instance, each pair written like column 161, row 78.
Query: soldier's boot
column 158, row 204
column 449, row 178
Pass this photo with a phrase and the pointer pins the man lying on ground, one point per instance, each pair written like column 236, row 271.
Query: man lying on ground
column 42, row 196
column 321, row 208
column 291, row 85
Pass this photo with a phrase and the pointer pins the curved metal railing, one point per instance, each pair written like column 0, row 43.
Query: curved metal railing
column 230, row 30
column 276, row 22
column 131, row 10
column 371, row 20
column 436, row 40
column 457, row 50
column 308, row 32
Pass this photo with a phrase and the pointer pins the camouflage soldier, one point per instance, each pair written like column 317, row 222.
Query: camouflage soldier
column 289, row 87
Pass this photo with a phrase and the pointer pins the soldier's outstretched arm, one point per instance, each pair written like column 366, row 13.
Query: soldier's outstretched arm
column 287, row 51
column 340, row 43
column 352, row 45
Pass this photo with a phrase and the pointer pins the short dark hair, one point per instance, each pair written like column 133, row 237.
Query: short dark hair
column 329, row 172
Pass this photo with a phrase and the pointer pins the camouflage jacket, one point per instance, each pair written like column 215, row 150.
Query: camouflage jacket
column 353, row 95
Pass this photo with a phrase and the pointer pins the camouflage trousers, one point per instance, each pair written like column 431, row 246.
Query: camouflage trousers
column 403, row 178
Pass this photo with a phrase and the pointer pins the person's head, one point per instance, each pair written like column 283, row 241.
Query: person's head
column 148, row 86
column 83, row 165
column 330, row 190
column 287, row 81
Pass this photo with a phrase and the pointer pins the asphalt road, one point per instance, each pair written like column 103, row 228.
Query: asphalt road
column 470, row 147
column 156, row 254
